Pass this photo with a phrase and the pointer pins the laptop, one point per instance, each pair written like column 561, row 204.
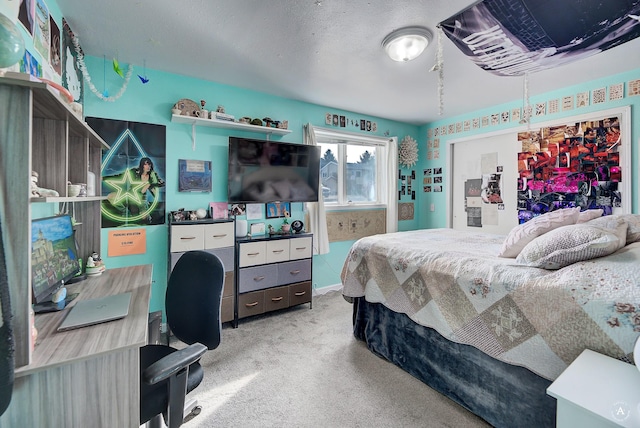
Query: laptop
column 96, row 311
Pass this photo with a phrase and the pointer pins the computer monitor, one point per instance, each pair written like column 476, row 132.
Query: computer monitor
column 54, row 255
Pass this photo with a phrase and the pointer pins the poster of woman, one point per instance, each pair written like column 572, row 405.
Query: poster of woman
column 133, row 172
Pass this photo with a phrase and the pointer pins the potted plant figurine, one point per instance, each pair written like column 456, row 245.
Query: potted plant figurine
column 286, row 227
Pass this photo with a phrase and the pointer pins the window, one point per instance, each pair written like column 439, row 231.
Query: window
column 352, row 169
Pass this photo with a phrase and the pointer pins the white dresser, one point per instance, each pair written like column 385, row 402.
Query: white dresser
column 214, row 236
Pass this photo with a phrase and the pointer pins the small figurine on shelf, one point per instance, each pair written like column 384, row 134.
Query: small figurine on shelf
column 203, row 113
column 271, row 230
column 220, row 109
column 36, row 191
column 95, row 265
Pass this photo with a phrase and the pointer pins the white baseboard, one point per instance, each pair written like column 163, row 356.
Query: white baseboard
column 327, row 289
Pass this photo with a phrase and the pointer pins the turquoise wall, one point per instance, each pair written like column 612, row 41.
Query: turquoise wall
column 152, row 102
column 438, row 218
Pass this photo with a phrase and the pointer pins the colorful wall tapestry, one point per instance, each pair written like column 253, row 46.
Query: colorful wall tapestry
column 569, row 166
column 513, row 37
column 133, row 172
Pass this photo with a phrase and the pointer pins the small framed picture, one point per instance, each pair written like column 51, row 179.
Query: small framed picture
column 278, row 209
column 343, row 121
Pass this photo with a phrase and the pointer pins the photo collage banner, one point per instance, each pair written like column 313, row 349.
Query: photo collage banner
column 575, row 165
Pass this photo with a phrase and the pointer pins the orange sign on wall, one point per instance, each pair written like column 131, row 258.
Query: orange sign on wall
column 127, row 242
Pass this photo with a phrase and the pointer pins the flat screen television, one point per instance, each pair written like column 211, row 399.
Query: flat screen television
column 54, row 255
column 268, row 171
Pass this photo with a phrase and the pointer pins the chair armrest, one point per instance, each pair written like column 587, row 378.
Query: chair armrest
column 173, row 363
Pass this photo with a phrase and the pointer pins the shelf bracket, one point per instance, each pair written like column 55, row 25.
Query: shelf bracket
column 193, row 136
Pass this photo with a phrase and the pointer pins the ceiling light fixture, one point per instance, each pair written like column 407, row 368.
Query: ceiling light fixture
column 406, row 43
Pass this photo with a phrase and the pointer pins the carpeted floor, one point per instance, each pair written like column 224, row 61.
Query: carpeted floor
column 304, row 368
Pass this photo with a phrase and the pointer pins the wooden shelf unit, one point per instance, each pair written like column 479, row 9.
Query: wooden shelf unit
column 40, row 132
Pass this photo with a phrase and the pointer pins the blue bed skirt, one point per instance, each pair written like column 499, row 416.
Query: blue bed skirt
column 502, row 394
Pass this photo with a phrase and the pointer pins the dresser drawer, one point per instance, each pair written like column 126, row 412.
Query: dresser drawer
column 229, row 284
column 300, row 293
column 296, row 271
column 226, row 310
column 257, row 278
column 226, row 256
column 218, row 235
column 300, row 248
column 187, row 238
column 277, row 251
column 250, row 304
column 252, row 253
column 276, row 298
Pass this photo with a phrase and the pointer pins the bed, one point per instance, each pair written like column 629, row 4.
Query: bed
column 493, row 332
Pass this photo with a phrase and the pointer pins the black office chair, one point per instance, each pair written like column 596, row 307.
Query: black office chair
column 6, row 335
column 192, row 304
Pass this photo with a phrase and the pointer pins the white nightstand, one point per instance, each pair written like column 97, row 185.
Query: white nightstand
column 597, row 391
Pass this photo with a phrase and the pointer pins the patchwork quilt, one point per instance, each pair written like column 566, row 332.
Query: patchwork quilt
column 540, row 319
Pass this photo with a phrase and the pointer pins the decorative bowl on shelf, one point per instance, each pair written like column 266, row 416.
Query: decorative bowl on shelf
column 73, row 190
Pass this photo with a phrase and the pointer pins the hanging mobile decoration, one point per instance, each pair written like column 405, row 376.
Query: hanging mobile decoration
column 526, row 114
column 117, row 69
column 87, row 76
column 408, row 152
column 440, row 64
column 105, row 92
column 144, row 79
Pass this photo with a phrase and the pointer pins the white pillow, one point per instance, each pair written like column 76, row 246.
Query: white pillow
column 587, row 215
column 632, row 220
column 524, row 233
column 570, row 244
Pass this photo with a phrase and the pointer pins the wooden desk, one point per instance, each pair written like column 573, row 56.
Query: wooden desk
column 89, row 376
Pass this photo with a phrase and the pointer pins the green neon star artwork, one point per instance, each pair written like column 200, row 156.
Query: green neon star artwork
column 130, row 199
column 128, row 189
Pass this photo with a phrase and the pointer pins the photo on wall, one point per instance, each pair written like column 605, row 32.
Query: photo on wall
column 194, row 175
column 278, row 209
column 133, row 172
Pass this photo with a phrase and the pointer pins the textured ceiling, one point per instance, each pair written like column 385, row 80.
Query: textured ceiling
column 324, row 52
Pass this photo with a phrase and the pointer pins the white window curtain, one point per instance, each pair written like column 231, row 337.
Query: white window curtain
column 317, row 214
column 392, row 185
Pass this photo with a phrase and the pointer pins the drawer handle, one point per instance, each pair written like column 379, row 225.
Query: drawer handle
column 300, row 293
column 252, row 254
column 185, row 238
column 301, row 248
column 251, row 305
column 294, row 272
column 220, row 236
column 277, row 299
column 258, row 278
column 277, row 251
